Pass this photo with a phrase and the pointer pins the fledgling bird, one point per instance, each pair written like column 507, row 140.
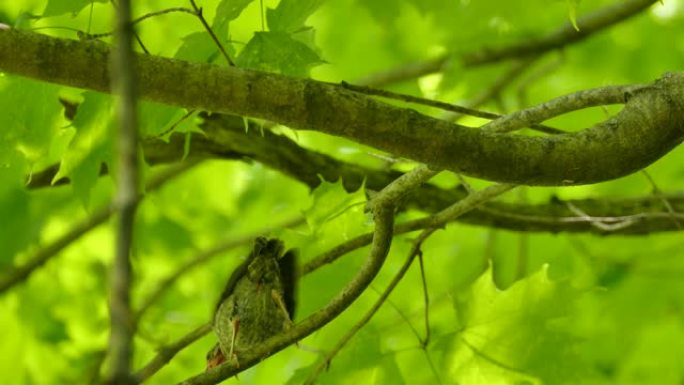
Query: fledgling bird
column 257, row 303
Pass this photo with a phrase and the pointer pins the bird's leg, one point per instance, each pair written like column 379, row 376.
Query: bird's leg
column 235, row 322
column 278, row 299
column 215, row 357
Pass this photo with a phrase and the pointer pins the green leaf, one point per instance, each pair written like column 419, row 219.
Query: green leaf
column 290, row 15
column 572, row 12
column 385, row 11
column 17, row 227
column 36, row 310
column 278, row 52
column 60, row 7
column 520, row 334
column 197, row 47
column 157, row 118
column 171, row 235
column 30, row 118
column 200, row 47
column 329, row 202
column 229, row 10
column 362, row 358
column 90, row 147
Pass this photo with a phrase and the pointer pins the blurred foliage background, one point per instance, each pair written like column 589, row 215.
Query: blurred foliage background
column 505, row 307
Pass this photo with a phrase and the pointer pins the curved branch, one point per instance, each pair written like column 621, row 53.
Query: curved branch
column 382, row 238
column 227, row 139
column 382, row 206
column 648, row 127
column 439, row 219
column 562, row 105
column 166, row 353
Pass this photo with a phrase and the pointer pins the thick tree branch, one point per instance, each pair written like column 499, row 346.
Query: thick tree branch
column 588, row 25
column 648, row 127
column 227, row 139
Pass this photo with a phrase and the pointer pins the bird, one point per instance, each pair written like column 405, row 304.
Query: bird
column 257, row 302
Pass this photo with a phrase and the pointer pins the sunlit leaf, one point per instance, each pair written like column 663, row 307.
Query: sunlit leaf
column 228, row 10
column 291, row 15
column 41, row 318
column 278, row 52
column 30, row 118
column 518, row 334
column 90, row 147
column 18, row 228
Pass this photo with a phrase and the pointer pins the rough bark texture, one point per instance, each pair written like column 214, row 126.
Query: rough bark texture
column 649, row 126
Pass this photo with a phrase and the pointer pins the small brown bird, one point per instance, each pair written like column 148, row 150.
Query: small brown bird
column 257, row 303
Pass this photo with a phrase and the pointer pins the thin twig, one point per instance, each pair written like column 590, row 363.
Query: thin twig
column 135, row 34
column 166, row 353
column 325, row 362
column 659, row 194
column 198, row 12
column 163, row 12
column 581, row 218
column 496, row 88
column 523, row 242
column 599, row 223
column 120, row 350
column 561, row 105
column 87, row 35
column 176, row 123
column 38, row 258
column 491, row 360
column 362, row 240
column 426, row 301
column 441, row 105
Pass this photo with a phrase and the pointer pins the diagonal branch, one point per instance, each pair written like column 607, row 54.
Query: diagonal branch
column 44, row 254
column 588, row 24
column 166, row 353
column 562, row 105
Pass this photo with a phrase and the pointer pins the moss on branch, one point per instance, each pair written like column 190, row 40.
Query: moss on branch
column 648, row 127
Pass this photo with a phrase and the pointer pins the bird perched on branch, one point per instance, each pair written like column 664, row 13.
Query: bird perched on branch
column 257, row 303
